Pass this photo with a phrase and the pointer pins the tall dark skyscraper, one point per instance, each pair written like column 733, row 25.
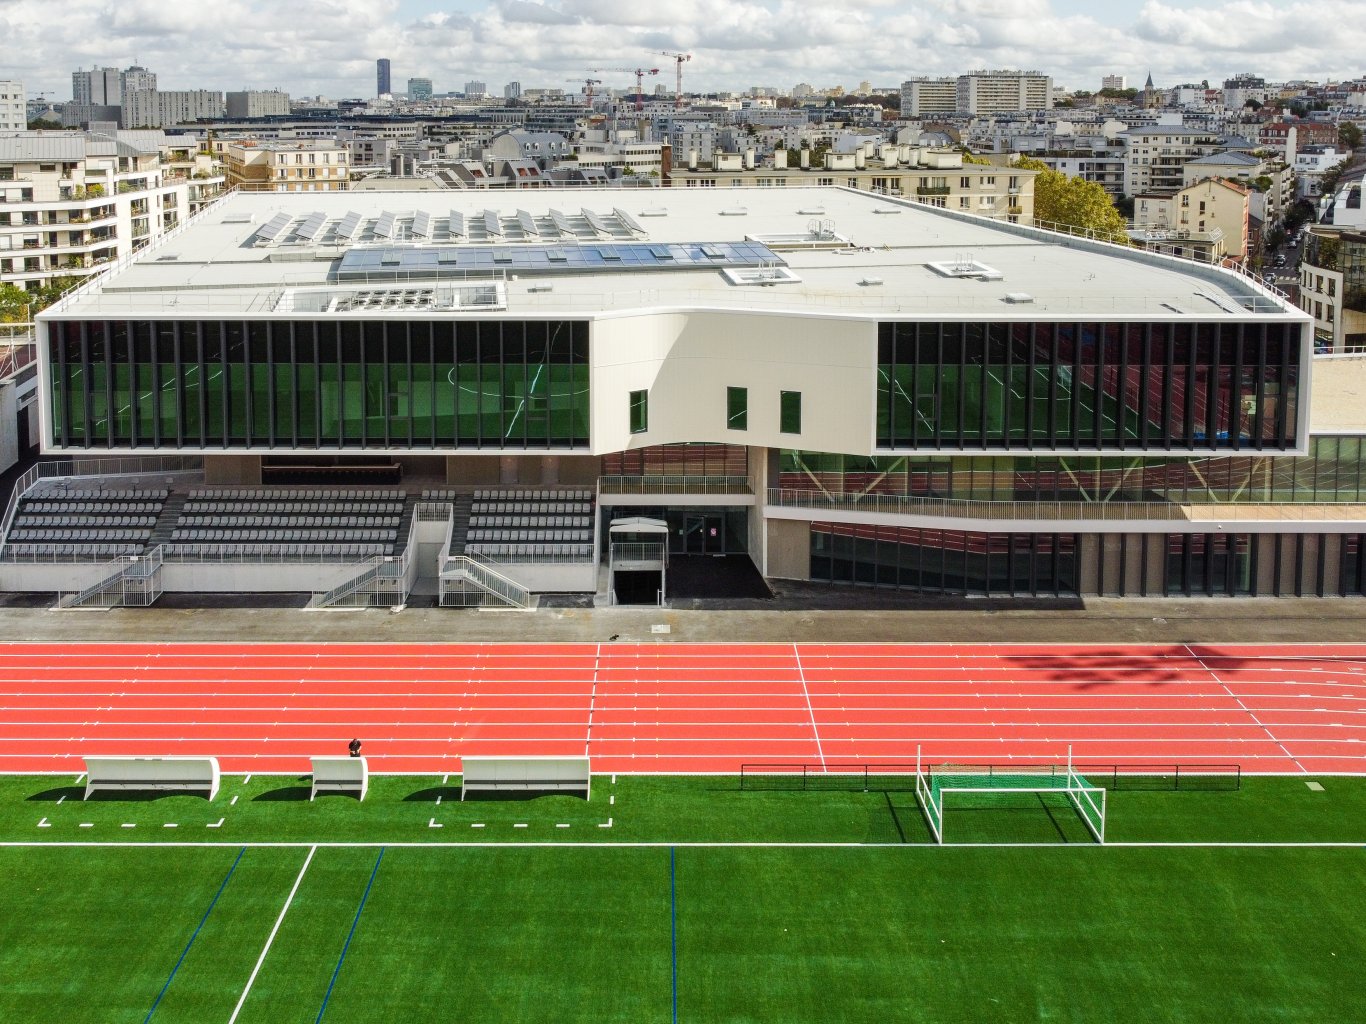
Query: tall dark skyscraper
column 382, row 76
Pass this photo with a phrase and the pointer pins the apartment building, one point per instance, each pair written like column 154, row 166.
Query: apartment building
column 1207, row 220
column 1155, row 155
column 1102, row 165
column 934, row 177
column 258, row 103
column 1333, row 271
column 1271, row 181
column 924, row 97
column 981, row 92
column 314, row 166
column 98, row 87
column 71, row 202
column 13, row 106
column 152, row 108
column 988, row 92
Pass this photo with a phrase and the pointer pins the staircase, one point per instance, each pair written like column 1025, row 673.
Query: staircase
column 460, row 529
column 166, row 521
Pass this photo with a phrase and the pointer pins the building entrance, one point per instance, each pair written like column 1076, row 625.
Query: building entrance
column 704, row 534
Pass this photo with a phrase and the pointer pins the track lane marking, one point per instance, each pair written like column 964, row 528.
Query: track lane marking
column 289, row 901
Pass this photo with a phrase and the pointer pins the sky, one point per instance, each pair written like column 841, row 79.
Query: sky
column 329, row 47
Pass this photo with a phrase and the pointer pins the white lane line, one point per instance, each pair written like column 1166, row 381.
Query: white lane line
column 44, row 824
column 433, row 823
column 796, row 653
column 216, row 824
column 561, row 825
column 60, row 799
column 612, row 799
column 608, row 824
column 247, row 780
column 477, row 824
column 520, row 824
column 86, row 824
column 170, row 824
column 1246, row 710
column 129, row 824
column 271, row 938
column 233, row 801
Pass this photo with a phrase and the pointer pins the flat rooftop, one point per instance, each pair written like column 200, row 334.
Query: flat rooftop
column 834, row 252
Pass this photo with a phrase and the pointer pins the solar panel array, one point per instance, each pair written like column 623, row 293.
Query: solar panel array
column 349, row 227
column 388, row 220
column 422, row 224
column 375, row 264
column 312, row 228
column 457, row 224
column 493, row 224
column 273, row 229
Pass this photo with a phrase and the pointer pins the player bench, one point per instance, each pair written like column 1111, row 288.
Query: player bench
column 152, row 774
column 529, row 774
column 340, row 775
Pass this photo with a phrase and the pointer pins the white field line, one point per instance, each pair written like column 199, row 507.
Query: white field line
column 289, row 900
column 608, row 844
column 815, row 729
column 1246, row 710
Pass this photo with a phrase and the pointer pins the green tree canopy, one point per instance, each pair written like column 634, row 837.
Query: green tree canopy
column 16, row 305
column 1349, row 134
column 1075, row 203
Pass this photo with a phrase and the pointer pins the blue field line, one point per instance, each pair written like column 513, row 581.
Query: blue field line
column 212, row 903
column 673, row 927
column 349, row 935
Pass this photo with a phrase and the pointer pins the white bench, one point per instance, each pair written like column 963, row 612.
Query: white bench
column 142, row 774
column 535, row 774
column 340, row 775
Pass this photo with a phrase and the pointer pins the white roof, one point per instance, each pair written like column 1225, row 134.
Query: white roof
column 881, row 257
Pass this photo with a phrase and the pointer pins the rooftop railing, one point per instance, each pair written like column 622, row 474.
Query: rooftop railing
column 674, row 485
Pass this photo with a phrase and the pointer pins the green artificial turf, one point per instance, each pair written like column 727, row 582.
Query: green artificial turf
column 582, row 927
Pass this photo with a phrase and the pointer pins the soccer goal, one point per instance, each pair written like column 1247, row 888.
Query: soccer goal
column 939, row 788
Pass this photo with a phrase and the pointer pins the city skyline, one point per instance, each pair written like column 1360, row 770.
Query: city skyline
column 736, row 44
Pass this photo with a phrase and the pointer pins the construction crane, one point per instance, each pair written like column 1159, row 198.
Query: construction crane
column 588, row 84
column 640, row 74
column 679, row 60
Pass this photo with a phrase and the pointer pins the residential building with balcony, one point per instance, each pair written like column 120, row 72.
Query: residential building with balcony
column 72, row 202
column 1333, row 270
column 930, row 176
column 1206, row 220
column 1155, row 155
column 312, row 166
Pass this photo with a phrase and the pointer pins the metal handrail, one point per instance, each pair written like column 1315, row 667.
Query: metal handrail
column 1065, row 511
column 674, row 485
column 484, row 576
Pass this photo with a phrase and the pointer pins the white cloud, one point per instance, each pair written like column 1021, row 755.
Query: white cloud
column 330, row 46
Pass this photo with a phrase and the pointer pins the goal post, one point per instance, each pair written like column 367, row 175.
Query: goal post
column 937, row 788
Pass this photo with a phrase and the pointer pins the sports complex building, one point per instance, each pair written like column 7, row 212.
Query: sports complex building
column 369, row 395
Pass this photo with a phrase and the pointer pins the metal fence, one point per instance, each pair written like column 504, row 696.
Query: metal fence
column 674, row 485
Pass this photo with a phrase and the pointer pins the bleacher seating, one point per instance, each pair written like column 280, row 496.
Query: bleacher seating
column 529, row 525
column 285, row 522
column 53, row 521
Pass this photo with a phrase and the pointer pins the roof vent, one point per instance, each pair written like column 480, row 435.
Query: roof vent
column 1019, row 298
column 870, row 282
column 735, row 211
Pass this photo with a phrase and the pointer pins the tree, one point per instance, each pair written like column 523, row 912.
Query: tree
column 55, row 289
column 16, row 305
column 1074, row 203
column 1349, row 134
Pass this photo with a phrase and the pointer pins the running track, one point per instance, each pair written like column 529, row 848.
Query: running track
column 684, row 708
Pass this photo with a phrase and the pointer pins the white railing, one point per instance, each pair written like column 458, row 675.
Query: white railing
column 674, row 485
column 636, row 552
column 128, row 581
column 18, row 348
column 369, row 571
column 487, row 581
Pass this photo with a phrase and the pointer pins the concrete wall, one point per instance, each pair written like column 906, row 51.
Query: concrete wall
column 231, row 470
column 789, row 550
column 9, row 425
column 686, row 362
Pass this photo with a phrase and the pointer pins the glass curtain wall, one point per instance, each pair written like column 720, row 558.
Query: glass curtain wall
column 340, row 385
column 1087, row 385
column 1333, row 471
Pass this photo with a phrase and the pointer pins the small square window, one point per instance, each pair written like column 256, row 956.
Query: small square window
column 737, row 408
column 790, row 412
column 640, row 411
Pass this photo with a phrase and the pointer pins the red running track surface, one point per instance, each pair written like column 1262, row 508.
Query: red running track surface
column 685, row 707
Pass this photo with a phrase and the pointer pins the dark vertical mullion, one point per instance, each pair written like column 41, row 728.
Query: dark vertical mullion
column 1145, row 373
column 1168, row 363
column 292, row 376
column 1102, row 337
column 961, row 431
column 1235, row 391
column 130, row 354
column 110, row 416
column 1074, row 426
column 1031, row 370
column 88, row 375
column 939, row 390
column 408, row 370
column 1007, row 389
column 59, row 395
column 1192, row 354
column 1290, row 358
column 249, row 387
column 156, row 384
column 386, row 400
column 988, row 331
column 341, row 383
column 1259, row 410
column 177, row 368
column 914, row 436
column 272, row 431
column 1053, row 388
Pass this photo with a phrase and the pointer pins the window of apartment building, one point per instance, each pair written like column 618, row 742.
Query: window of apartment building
column 965, row 182
column 852, row 182
column 964, row 202
column 639, row 407
column 790, row 412
column 1185, row 201
column 825, row 181
column 737, row 408
column 1332, row 287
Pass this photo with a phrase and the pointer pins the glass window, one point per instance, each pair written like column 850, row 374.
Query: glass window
column 639, row 411
column 790, row 412
column 737, row 408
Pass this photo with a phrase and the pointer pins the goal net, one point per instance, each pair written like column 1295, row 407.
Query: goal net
column 939, row 789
